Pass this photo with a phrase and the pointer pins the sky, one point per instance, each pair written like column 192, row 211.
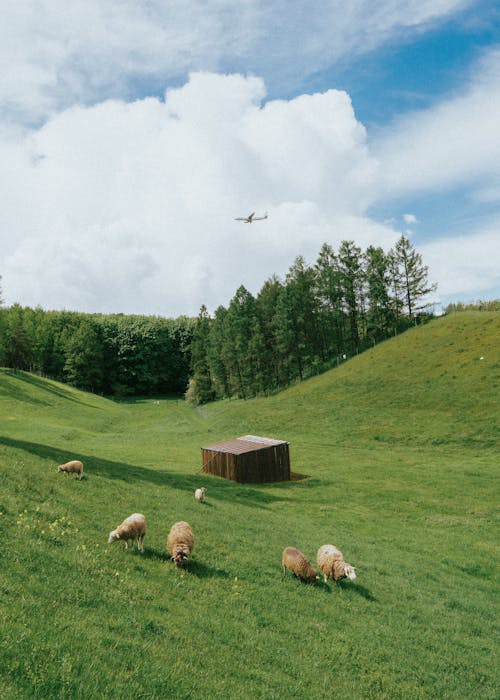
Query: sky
column 134, row 132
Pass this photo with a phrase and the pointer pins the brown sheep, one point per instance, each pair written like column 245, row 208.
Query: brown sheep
column 180, row 543
column 132, row 528
column 294, row 560
column 75, row 466
column 331, row 563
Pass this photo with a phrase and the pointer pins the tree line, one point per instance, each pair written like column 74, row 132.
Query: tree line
column 116, row 354
column 316, row 317
column 293, row 328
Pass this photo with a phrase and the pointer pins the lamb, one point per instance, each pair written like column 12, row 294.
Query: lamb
column 331, row 563
column 132, row 528
column 180, row 542
column 75, row 466
column 294, row 560
column 199, row 494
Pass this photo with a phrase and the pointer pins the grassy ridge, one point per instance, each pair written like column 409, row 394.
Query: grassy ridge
column 399, row 449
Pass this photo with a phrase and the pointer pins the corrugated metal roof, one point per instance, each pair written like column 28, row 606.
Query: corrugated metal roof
column 246, row 443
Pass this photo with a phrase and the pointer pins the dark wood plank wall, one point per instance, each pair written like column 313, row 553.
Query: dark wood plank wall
column 267, row 464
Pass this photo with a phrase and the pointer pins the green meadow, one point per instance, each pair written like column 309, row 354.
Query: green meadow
column 395, row 457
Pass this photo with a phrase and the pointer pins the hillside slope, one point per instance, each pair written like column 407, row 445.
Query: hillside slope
column 397, row 447
column 435, row 384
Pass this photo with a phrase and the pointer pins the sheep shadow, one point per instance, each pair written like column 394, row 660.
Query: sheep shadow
column 202, row 570
column 356, row 588
column 156, row 554
column 195, row 566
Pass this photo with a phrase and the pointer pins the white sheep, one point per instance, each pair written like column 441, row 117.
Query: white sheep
column 199, row 494
column 180, row 542
column 331, row 563
column 294, row 560
column 132, row 528
column 74, row 466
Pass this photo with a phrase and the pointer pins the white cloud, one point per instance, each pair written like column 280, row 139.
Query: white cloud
column 410, row 219
column 59, row 54
column 130, row 206
column 453, row 143
column 465, row 265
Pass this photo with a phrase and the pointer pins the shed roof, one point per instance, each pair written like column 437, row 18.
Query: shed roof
column 246, row 443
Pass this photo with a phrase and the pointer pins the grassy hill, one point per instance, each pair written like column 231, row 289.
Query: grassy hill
column 399, row 450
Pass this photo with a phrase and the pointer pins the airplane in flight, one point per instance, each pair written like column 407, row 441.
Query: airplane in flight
column 251, row 217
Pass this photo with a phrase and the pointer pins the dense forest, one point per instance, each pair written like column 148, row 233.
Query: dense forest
column 109, row 354
column 312, row 320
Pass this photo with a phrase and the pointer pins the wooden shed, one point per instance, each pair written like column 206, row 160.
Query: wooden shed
column 248, row 459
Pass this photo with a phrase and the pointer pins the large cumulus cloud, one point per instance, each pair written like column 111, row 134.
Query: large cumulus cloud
column 131, row 206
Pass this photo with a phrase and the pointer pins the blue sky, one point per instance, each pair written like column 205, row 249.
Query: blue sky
column 133, row 133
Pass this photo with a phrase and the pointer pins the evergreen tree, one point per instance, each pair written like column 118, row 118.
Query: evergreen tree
column 218, row 354
column 272, row 357
column 329, row 292
column 380, row 314
column 351, row 279
column 297, row 320
column 413, row 277
column 201, row 388
column 239, row 327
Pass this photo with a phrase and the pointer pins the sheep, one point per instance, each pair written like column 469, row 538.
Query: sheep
column 331, row 563
column 199, row 494
column 294, row 560
column 132, row 528
column 74, row 466
column 180, row 542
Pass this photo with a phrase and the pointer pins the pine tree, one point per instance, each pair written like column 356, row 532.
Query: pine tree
column 216, row 354
column 272, row 359
column 413, row 277
column 297, row 320
column 380, row 314
column 329, row 292
column 240, row 324
column 351, row 276
column 201, row 388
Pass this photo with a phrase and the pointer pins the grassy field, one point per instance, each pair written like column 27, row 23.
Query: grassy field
column 399, row 453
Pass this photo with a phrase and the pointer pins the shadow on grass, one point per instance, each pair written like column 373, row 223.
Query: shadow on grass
column 42, row 385
column 151, row 553
column 201, row 570
column 356, row 588
column 195, row 567
column 254, row 496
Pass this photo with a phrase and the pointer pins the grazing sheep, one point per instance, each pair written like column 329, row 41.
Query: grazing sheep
column 180, row 542
column 294, row 560
column 132, row 528
column 75, row 466
column 331, row 562
column 199, row 494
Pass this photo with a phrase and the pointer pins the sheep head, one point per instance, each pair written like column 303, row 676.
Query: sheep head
column 349, row 572
column 113, row 536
